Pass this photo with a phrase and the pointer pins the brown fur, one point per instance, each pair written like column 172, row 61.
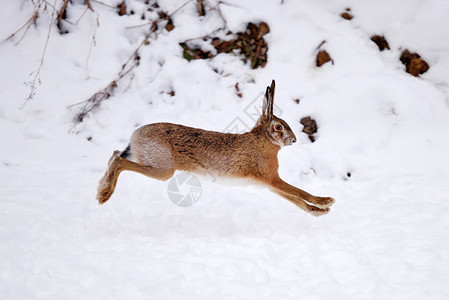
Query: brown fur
column 157, row 150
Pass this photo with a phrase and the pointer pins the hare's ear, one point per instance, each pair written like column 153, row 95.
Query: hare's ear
column 267, row 108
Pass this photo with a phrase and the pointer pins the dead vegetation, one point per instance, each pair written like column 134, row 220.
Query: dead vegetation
column 347, row 15
column 41, row 6
column 322, row 56
column 121, row 9
column 237, row 90
column 94, row 102
column 36, row 79
column 200, row 8
column 62, row 15
column 250, row 44
column 190, row 53
column 310, row 127
column 381, row 42
column 413, row 62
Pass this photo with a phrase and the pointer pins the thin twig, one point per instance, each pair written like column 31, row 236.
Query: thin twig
column 18, row 30
column 220, row 14
column 320, row 45
column 159, row 20
column 93, row 41
column 80, row 17
column 209, row 35
column 41, row 63
column 49, row 4
column 130, row 82
column 218, row 10
column 102, row 3
column 179, row 8
column 94, row 102
column 89, row 5
column 31, row 20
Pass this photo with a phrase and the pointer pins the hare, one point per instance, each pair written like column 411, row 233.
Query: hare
column 157, row 150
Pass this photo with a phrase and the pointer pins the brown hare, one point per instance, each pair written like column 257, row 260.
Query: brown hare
column 157, row 150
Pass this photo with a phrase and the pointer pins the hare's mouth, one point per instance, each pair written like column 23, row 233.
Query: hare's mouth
column 289, row 141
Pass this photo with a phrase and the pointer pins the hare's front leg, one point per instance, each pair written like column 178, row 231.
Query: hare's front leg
column 323, row 202
column 297, row 196
column 313, row 210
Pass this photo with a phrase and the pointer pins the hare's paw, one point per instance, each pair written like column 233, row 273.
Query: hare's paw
column 326, row 201
column 322, row 202
column 104, row 193
column 317, row 212
column 105, row 188
column 106, row 185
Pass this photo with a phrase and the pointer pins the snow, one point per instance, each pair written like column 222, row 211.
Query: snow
column 386, row 237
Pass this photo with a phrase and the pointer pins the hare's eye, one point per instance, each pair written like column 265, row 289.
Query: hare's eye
column 278, row 127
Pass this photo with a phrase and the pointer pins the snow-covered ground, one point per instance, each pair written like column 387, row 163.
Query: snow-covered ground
column 387, row 236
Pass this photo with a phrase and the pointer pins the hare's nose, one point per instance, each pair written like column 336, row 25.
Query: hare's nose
column 293, row 141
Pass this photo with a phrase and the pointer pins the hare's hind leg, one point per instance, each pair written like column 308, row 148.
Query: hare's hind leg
column 107, row 183
column 118, row 164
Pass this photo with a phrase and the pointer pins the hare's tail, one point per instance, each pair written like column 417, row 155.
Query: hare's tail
column 126, row 153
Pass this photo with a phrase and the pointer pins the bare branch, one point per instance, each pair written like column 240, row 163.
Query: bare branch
column 28, row 23
column 89, row 5
column 36, row 78
column 179, row 8
column 93, row 41
column 31, row 20
column 94, row 102
column 101, row 3
column 167, row 17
